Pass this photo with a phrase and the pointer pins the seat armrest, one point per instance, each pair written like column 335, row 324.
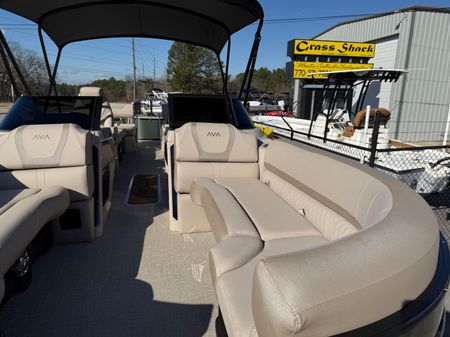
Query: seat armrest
column 232, row 253
column 225, row 215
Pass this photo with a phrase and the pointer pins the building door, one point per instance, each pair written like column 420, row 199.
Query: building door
column 379, row 95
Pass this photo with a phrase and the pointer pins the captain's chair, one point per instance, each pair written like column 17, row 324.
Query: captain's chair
column 107, row 116
column 209, row 150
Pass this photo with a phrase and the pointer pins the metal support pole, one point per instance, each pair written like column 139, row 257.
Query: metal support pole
column 289, row 126
column 226, row 93
column 227, row 64
column 134, row 69
column 447, row 127
column 14, row 62
column 366, row 126
column 44, row 51
column 250, row 77
column 331, row 106
column 317, row 103
column 296, row 97
column 374, row 143
column 251, row 62
column 53, row 78
column 10, row 73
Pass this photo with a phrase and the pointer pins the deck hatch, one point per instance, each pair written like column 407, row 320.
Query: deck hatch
column 144, row 190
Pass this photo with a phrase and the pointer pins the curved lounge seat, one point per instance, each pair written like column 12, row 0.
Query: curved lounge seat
column 375, row 247
column 23, row 213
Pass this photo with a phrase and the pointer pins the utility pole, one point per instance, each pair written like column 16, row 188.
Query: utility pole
column 154, row 68
column 134, row 69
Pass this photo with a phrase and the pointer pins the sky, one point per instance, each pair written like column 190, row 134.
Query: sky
column 83, row 62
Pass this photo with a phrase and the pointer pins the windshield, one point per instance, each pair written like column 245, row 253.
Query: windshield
column 27, row 110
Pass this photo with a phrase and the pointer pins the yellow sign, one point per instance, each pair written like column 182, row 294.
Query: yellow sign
column 334, row 48
column 305, row 69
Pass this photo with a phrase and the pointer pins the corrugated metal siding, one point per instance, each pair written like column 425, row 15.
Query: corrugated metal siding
column 427, row 86
column 427, row 93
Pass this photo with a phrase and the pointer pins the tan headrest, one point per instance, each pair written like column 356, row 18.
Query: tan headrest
column 45, row 146
column 122, row 109
column 91, row 91
column 212, row 142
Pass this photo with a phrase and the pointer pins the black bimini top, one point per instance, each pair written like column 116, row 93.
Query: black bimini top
column 207, row 23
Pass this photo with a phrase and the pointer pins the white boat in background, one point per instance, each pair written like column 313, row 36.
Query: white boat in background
column 424, row 170
column 153, row 103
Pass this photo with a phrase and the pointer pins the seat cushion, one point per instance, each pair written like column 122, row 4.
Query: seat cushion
column 271, row 215
column 225, row 216
column 332, row 225
column 9, row 198
column 234, row 288
column 20, row 223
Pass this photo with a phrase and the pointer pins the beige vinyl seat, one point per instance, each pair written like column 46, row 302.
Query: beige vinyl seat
column 126, row 129
column 107, row 116
column 44, row 156
column 123, row 133
column 23, row 213
column 107, row 155
column 305, row 250
column 205, row 150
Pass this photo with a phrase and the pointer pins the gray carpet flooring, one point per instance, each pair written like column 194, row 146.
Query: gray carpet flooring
column 139, row 279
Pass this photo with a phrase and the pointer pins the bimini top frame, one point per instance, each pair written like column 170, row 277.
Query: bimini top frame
column 206, row 23
column 346, row 80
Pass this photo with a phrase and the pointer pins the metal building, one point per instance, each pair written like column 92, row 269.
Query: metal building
column 416, row 39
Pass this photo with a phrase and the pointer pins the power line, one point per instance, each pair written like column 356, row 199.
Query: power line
column 330, row 17
column 93, row 70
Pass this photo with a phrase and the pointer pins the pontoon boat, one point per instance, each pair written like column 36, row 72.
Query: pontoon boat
column 273, row 238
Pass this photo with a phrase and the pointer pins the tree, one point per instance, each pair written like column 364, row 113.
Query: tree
column 32, row 67
column 192, row 69
column 265, row 80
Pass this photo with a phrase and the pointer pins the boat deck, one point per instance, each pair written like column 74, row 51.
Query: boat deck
column 139, row 279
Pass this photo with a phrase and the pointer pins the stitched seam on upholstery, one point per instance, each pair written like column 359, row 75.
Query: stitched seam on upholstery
column 11, row 204
column 259, row 252
column 313, row 213
column 370, row 205
column 306, row 189
column 371, row 283
column 243, row 209
column 54, row 160
column 295, row 315
column 206, row 156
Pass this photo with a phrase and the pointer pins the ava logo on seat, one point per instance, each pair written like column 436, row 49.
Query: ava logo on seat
column 213, row 134
column 39, row 136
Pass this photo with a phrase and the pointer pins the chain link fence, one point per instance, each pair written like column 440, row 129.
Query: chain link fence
column 425, row 169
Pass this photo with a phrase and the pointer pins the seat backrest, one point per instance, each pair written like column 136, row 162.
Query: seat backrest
column 107, row 116
column 38, row 156
column 213, row 150
column 346, row 189
column 210, row 142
